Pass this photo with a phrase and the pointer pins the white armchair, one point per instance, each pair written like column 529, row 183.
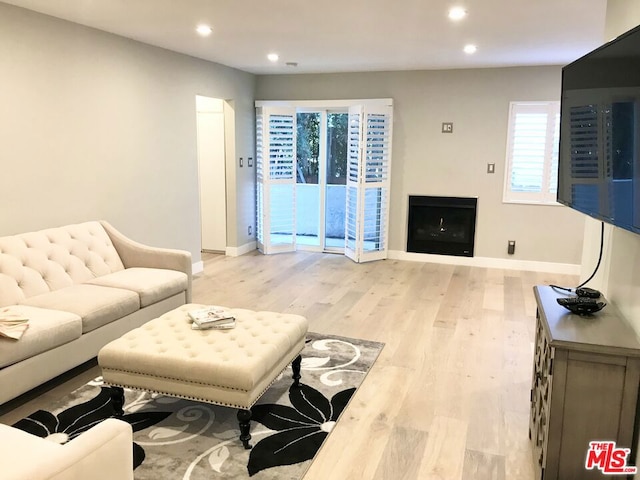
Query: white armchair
column 104, row 452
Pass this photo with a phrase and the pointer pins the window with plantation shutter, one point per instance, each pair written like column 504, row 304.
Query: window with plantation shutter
column 531, row 174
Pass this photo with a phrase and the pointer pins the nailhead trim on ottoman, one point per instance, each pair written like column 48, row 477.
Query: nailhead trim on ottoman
column 226, row 367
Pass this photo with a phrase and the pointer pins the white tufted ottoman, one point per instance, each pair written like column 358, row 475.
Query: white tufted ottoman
column 225, row 367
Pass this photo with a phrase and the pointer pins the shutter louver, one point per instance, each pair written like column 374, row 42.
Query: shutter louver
column 532, row 152
column 553, row 174
column 369, row 164
column 260, row 213
column 353, row 176
column 282, row 156
column 584, row 141
column 376, row 155
column 528, row 152
column 354, row 147
column 275, row 175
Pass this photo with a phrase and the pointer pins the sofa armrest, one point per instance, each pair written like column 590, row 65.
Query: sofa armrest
column 103, row 452
column 134, row 254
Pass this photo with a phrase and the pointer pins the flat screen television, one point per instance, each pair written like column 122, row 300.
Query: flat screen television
column 599, row 161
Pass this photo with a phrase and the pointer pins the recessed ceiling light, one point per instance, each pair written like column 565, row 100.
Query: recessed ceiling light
column 273, row 57
column 204, row 30
column 457, row 13
column 469, row 49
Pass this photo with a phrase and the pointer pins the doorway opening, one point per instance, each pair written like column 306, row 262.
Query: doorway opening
column 323, row 176
column 210, row 128
column 321, row 165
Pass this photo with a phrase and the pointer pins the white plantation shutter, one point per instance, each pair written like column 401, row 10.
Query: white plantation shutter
column 354, row 140
column 368, row 182
column 531, row 174
column 275, row 178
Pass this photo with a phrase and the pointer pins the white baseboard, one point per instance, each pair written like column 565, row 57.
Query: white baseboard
column 488, row 262
column 197, row 267
column 241, row 250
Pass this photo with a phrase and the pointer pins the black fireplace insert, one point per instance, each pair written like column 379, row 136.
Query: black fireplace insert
column 442, row 225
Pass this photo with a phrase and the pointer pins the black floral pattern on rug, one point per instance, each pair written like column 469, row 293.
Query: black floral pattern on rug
column 75, row 420
column 199, row 441
column 301, row 429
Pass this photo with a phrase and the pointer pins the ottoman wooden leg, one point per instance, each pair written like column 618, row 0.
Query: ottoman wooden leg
column 295, row 365
column 244, row 418
column 117, row 398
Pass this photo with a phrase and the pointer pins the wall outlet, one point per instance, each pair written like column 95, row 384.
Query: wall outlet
column 447, row 127
column 511, row 247
column 249, row 229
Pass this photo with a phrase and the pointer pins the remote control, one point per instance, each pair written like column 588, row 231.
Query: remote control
column 581, row 305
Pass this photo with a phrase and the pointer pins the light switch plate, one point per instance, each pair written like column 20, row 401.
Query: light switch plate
column 447, row 127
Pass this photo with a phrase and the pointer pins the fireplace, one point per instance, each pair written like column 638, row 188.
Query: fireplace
column 442, row 225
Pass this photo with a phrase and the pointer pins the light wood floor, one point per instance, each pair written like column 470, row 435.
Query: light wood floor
column 448, row 397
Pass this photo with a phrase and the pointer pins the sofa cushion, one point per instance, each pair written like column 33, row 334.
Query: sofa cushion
column 151, row 284
column 47, row 329
column 40, row 262
column 96, row 305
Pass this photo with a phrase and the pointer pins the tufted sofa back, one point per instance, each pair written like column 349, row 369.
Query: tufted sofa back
column 47, row 260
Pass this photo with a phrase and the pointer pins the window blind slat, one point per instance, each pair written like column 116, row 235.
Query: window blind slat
column 532, row 154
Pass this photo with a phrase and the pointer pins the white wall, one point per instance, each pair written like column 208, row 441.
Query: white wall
column 96, row 126
column 622, row 15
column 427, row 162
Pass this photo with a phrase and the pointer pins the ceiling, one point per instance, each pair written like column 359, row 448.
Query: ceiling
column 349, row 35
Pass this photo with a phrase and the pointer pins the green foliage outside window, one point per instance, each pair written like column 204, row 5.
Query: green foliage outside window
column 308, row 147
column 337, row 148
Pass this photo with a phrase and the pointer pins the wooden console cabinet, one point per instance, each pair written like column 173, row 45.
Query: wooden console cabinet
column 584, row 388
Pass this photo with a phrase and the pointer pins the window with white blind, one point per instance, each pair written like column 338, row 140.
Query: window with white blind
column 531, row 173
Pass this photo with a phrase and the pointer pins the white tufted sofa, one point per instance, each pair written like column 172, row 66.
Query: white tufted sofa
column 81, row 286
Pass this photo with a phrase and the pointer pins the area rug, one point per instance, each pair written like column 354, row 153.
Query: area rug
column 181, row 439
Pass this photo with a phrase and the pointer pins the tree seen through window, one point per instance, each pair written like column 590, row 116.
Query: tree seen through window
column 308, row 147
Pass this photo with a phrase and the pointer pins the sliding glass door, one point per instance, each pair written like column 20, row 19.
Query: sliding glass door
column 308, row 190
column 321, row 159
column 336, row 180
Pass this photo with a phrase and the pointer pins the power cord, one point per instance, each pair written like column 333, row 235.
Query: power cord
column 557, row 287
